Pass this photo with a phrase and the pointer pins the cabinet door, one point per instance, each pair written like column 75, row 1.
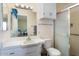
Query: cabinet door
column 47, row 10
column 32, row 50
column 12, row 51
column 50, row 10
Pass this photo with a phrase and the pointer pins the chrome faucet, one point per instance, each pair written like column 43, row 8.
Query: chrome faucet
column 28, row 37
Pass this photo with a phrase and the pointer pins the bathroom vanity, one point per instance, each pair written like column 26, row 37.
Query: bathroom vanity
column 23, row 48
column 17, row 29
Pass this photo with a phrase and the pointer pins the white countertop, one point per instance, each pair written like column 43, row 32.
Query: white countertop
column 21, row 41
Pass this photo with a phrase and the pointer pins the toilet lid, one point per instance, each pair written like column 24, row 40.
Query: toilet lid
column 53, row 52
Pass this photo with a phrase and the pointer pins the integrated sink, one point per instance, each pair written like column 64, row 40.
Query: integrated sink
column 23, row 42
column 31, row 42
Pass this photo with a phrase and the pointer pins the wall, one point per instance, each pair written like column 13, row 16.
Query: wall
column 74, row 19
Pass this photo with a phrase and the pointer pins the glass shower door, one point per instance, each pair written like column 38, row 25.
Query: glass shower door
column 62, row 32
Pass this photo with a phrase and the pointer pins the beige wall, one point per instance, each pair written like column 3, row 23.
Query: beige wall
column 74, row 19
column 74, row 45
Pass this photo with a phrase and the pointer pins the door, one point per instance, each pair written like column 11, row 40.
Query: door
column 62, row 32
column 74, row 30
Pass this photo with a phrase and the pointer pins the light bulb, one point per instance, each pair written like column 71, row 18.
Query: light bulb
column 30, row 7
column 27, row 6
column 22, row 6
column 17, row 5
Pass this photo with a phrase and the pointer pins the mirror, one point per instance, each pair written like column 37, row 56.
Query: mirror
column 25, row 24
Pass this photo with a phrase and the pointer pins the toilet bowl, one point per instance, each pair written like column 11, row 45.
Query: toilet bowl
column 50, row 50
column 53, row 52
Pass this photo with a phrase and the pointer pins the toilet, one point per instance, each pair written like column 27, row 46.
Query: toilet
column 50, row 50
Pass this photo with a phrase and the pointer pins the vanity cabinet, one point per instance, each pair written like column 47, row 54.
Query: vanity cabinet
column 11, row 51
column 22, row 51
column 47, row 10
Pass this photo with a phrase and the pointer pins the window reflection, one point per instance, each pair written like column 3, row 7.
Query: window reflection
column 4, row 26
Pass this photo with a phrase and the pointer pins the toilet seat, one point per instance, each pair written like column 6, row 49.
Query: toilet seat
column 53, row 52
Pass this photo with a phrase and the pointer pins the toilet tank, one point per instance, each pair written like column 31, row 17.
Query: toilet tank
column 48, row 43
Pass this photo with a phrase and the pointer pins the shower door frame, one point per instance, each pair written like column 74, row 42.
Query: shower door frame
column 68, row 9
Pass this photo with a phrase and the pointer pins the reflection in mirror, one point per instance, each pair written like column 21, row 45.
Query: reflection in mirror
column 5, row 18
column 22, row 25
column 5, row 22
